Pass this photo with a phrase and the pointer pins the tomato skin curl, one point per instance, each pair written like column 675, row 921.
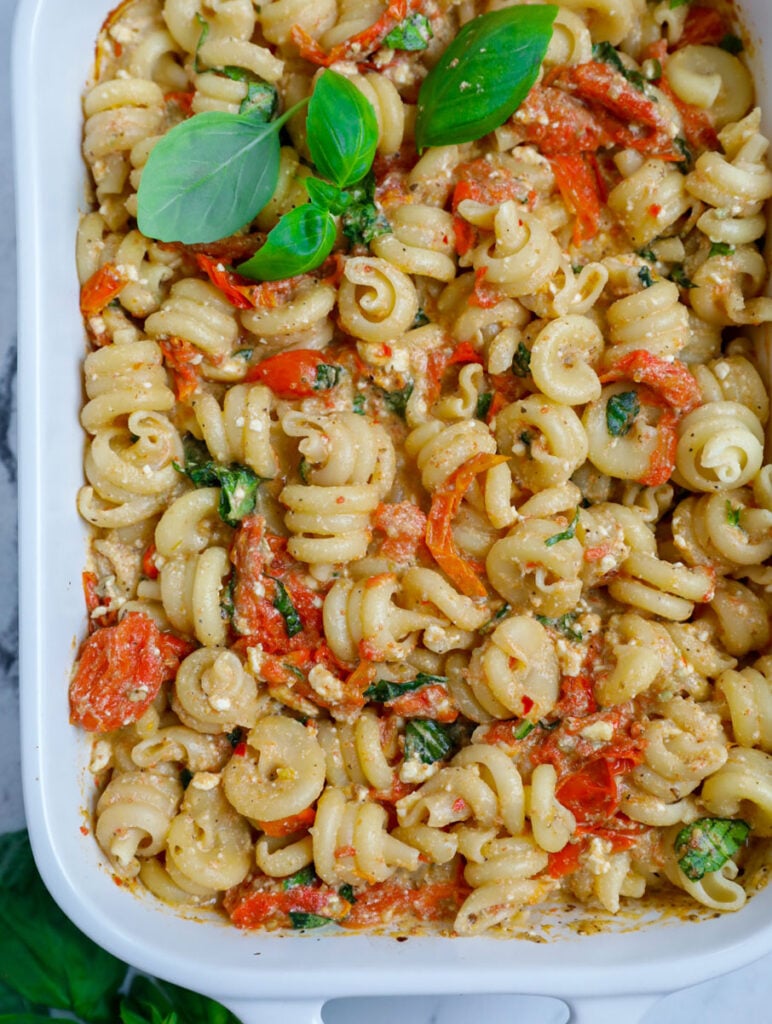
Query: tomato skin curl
column 120, row 671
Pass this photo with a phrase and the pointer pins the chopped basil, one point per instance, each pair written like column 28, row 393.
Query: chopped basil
column 300, row 919
column 293, row 669
column 566, row 534
column 261, row 101
column 606, row 53
column 648, row 254
column 306, row 876
column 521, row 363
column 427, row 741
column 621, row 411
column 688, row 158
column 385, row 690
column 397, row 401
column 185, row 777
column 733, row 514
column 644, row 276
column 358, row 405
column 346, row 892
column 227, row 606
column 564, row 624
column 283, row 604
column 238, row 484
column 420, row 319
column 413, row 33
column 495, row 619
column 732, row 44
column 362, row 221
column 523, row 730
column 707, row 844
column 526, row 439
column 304, row 468
column 236, row 736
column 484, row 402
column 720, row 249
column 677, row 274
column 327, row 376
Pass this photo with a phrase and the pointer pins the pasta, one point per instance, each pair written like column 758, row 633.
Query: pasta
column 431, row 504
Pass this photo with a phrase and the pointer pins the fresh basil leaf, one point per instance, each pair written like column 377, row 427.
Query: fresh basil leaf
column 304, row 469
column 12, row 1002
column 484, row 402
column 24, row 1018
column 282, row 602
column 644, row 276
column 301, row 240
column 208, row 177
column 411, row 34
column 397, row 401
column 148, row 994
column 327, row 196
column 261, row 101
column 483, row 76
column 238, row 484
column 707, row 844
column 227, row 603
column 566, row 534
column 346, row 892
column 720, row 249
column 733, row 514
column 342, row 129
column 521, row 362
column 621, row 412
column 301, row 919
column 43, row 956
column 385, row 690
column 327, row 376
column 306, row 876
column 427, row 741
column 495, row 619
column 564, row 624
column 677, row 274
column 732, row 44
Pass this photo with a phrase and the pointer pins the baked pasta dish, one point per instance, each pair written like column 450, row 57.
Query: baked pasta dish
column 425, row 408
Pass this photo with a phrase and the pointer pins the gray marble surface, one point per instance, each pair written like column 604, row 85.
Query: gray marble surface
column 744, row 994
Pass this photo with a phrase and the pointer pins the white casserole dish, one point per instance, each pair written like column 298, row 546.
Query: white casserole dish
column 606, row 977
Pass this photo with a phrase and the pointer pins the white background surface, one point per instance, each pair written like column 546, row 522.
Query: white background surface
column 745, row 994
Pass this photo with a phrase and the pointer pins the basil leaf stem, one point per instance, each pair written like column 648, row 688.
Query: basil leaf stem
column 483, row 76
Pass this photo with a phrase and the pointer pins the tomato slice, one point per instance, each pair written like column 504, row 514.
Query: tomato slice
column 671, row 381
column 120, row 671
column 289, row 375
column 286, row 826
column 101, row 288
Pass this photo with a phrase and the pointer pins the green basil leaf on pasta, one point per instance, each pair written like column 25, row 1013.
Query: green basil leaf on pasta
column 521, row 361
column 483, row 407
column 301, row 241
column 397, row 400
column 621, row 412
column 606, row 53
column 678, row 275
column 566, row 534
column 483, row 76
column 238, row 484
column 720, row 249
column 733, row 514
column 564, row 624
column 411, row 34
column 160, row 1000
column 346, row 892
column 327, row 196
column 301, row 919
column 208, row 177
column 363, row 222
column 495, row 619
column 385, row 690
column 707, row 844
column 327, row 376
column 427, row 741
column 644, row 276
column 306, row 876
column 342, row 129
column 261, row 101
column 282, row 602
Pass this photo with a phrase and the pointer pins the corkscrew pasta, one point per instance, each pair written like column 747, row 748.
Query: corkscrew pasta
column 430, row 583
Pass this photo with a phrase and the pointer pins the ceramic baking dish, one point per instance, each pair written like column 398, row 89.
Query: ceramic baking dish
column 263, row 978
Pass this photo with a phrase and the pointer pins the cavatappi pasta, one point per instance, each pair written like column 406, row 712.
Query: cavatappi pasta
column 434, row 582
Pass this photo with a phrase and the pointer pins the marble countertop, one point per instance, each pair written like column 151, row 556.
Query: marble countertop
column 745, row 993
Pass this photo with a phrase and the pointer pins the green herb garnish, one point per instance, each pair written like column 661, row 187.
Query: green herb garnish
column 327, row 376
column 644, row 276
column 411, row 34
column 261, row 101
column 606, row 53
column 303, row 238
column 397, row 401
column 346, row 892
column 647, row 254
column 427, row 741
column 688, row 157
column 495, row 619
column 420, row 319
column 707, row 844
column 306, row 876
column 523, row 730
column 238, row 484
column 283, row 604
column 526, row 439
column 564, row 624
column 679, row 277
column 358, row 405
column 566, row 534
column 733, row 514
column 484, row 402
column 732, row 44
column 621, row 412
column 521, row 362
column 300, row 919
column 385, row 690
column 720, row 249
column 483, row 76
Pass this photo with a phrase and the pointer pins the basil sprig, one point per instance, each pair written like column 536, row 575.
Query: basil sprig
column 483, row 76
column 707, row 844
column 385, row 690
column 209, row 176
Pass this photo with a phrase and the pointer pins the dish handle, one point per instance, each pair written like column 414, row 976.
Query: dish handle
column 276, row 1011
column 621, row 1009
